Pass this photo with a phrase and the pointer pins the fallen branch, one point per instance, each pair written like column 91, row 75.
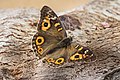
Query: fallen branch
column 97, row 26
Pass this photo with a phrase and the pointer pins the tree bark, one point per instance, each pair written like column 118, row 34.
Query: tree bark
column 96, row 25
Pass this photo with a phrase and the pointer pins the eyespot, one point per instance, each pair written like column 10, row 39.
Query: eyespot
column 76, row 56
column 45, row 25
column 39, row 40
column 59, row 61
column 40, row 50
column 50, row 60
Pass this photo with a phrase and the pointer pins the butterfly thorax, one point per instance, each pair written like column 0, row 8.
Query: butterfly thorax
column 62, row 44
column 65, row 42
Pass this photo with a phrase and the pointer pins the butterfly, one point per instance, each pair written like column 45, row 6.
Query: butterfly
column 52, row 43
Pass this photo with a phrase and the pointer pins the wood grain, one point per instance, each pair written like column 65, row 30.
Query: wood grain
column 96, row 25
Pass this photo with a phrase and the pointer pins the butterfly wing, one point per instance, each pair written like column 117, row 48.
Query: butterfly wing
column 77, row 52
column 74, row 52
column 50, row 23
column 43, row 42
column 50, row 41
column 58, row 57
column 50, row 32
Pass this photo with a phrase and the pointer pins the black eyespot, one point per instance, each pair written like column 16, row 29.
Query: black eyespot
column 39, row 40
column 76, row 56
column 59, row 60
column 45, row 24
column 40, row 50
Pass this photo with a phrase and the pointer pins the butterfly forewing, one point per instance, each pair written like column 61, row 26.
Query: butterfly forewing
column 50, row 23
column 43, row 42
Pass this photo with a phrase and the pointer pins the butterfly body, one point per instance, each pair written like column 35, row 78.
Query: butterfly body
column 52, row 43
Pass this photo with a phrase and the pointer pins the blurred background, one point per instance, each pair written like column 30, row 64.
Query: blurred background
column 57, row 5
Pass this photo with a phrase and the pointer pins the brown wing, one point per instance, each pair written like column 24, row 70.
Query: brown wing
column 58, row 57
column 50, row 32
column 78, row 52
column 50, row 23
column 43, row 42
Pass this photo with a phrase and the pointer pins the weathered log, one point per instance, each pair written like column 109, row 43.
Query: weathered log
column 96, row 25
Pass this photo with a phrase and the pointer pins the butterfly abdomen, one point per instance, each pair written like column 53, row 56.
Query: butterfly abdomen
column 62, row 44
column 65, row 42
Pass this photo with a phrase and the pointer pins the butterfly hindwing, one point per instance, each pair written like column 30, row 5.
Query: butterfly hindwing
column 78, row 52
column 74, row 52
column 58, row 57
